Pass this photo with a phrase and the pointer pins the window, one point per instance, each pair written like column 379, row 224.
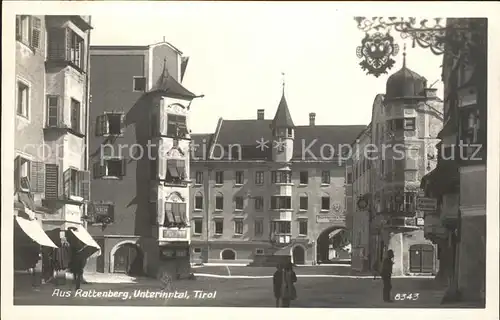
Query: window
column 303, row 228
column 29, row 30
column 238, row 202
column 281, row 227
column 238, row 226
column 219, row 226
column 153, row 169
column 175, row 214
column 397, row 124
column 176, row 125
column 75, row 115
column 110, row 167
column 289, row 132
column 23, row 99
column 112, row 123
column 76, row 49
column 219, row 202
column 259, row 203
column 52, row 111
column 409, row 202
column 409, row 124
column 259, row 252
column 281, row 177
column 304, row 177
column 239, row 177
column 76, row 183
column 325, row 203
column 22, row 174
column 304, row 202
column 259, row 227
column 325, row 177
column 470, row 125
column 349, row 178
column 281, row 202
column 219, row 177
column 176, row 170
column 199, row 177
column 198, row 202
column 197, row 250
column 198, row 226
column 140, row 84
column 259, row 177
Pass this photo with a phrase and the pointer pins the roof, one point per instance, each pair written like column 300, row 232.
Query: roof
column 248, row 132
column 133, row 47
column 405, row 83
column 283, row 118
column 169, row 85
column 200, row 145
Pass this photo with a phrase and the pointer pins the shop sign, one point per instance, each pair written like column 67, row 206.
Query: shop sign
column 174, row 234
column 326, row 218
column 427, row 204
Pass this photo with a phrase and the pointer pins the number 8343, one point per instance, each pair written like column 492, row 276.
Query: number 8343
column 406, row 296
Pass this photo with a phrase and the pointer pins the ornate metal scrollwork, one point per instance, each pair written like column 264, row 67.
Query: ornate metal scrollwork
column 377, row 49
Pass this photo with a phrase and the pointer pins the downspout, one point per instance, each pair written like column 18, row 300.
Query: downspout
column 206, row 186
column 86, row 164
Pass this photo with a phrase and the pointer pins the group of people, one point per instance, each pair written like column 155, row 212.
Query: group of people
column 284, row 280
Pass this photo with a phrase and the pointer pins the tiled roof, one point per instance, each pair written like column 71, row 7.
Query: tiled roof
column 247, row 133
column 283, row 118
column 170, row 86
column 201, row 144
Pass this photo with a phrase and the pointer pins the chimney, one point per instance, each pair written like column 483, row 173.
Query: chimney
column 260, row 114
column 430, row 93
column 312, row 119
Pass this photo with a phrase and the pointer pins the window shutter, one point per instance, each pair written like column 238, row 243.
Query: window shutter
column 84, row 177
column 122, row 123
column 56, row 44
column 51, row 181
column 37, row 178
column 18, row 28
column 17, row 172
column 161, row 213
column 163, row 119
column 69, row 43
column 124, row 167
column 67, row 182
column 36, row 32
column 182, row 212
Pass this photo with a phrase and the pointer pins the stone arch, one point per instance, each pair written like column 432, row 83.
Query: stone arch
column 298, row 257
column 120, row 244
column 231, row 254
column 175, row 197
column 323, row 241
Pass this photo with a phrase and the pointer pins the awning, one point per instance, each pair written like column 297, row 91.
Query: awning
column 34, row 230
column 83, row 235
column 334, row 233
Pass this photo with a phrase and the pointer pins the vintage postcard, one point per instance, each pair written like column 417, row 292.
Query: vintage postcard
column 333, row 156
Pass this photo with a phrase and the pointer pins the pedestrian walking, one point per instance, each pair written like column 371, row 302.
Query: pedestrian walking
column 284, row 288
column 386, row 274
column 77, row 264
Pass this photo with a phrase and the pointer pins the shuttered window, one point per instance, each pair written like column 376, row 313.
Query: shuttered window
column 53, row 111
column 76, row 183
column 65, row 45
column 110, row 124
column 29, row 30
column 37, row 177
column 175, row 214
column 111, row 168
column 51, row 181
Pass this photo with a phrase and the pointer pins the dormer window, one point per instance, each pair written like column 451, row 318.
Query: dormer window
column 289, row 132
column 110, row 124
column 176, row 126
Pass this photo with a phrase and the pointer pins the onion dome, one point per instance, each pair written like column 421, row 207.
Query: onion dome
column 405, row 83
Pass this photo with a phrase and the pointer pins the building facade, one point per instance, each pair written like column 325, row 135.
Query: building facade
column 405, row 124
column 458, row 226
column 140, row 157
column 51, row 168
column 264, row 188
column 359, row 170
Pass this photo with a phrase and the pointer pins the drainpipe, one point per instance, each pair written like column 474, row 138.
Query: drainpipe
column 206, row 186
column 87, row 115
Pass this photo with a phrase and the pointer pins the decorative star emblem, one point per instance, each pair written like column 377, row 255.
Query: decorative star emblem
column 279, row 144
column 262, row 144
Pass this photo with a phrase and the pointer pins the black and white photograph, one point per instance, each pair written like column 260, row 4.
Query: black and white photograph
column 250, row 155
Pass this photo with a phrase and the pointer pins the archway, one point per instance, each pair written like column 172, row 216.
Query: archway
column 422, row 258
column 228, row 254
column 299, row 255
column 330, row 242
column 127, row 257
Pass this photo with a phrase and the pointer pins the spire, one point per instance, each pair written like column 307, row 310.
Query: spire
column 283, row 82
column 170, row 85
column 404, row 55
column 283, row 118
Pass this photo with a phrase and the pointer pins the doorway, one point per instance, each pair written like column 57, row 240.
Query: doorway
column 128, row 259
column 421, row 258
column 299, row 255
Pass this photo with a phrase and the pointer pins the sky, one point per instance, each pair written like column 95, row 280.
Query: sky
column 238, row 53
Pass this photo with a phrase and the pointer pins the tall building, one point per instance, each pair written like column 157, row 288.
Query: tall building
column 358, row 174
column 405, row 124
column 51, row 173
column 139, row 150
column 51, row 170
column 267, row 187
column 458, row 183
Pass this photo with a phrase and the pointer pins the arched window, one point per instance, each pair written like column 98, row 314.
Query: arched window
column 228, row 254
column 219, row 202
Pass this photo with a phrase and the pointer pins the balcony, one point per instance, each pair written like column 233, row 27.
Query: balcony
column 173, row 234
column 402, row 224
column 281, row 239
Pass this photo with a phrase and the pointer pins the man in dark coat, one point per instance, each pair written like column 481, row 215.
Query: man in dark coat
column 77, row 265
column 386, row 274
column 283, row 283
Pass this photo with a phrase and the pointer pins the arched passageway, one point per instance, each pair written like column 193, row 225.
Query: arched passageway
column 299, row 255
column 128, row 258
column 228, row 254
column 329, row 240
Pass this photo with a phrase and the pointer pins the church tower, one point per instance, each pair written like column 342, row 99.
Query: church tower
column 283, row 131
